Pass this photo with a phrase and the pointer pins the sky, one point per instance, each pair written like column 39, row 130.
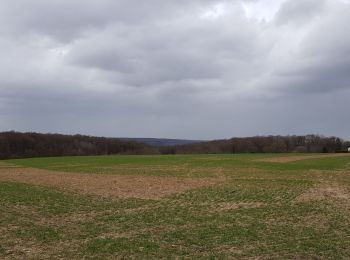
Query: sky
column 199, row 69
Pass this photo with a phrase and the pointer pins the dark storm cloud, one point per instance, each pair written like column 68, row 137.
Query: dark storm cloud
column 150, row 55
column 190, row 69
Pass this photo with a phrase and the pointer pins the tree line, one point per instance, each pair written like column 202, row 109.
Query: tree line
column 25, row 145
column 264, row 144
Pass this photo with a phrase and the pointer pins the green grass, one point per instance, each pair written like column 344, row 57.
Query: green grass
column 177, row 165
column 254, row 213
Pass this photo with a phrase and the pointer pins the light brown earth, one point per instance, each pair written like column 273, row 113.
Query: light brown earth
column 324, row 191
column 146, row 187
column 287, row 159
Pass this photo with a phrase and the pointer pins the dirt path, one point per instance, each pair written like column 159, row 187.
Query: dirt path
column 147, row 187
column 287, row 159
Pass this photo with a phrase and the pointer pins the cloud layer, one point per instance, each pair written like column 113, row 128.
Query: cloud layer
column 199, row 69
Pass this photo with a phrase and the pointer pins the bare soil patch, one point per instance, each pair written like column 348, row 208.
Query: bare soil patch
column 324, row 191
column 147, row 187
column 287, row 159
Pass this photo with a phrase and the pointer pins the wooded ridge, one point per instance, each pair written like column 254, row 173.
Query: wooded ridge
column 25, row 145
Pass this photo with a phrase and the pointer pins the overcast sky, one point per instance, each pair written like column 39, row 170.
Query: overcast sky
column 199, row 69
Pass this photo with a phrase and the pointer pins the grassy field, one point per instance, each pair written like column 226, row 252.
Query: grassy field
column 262, row 206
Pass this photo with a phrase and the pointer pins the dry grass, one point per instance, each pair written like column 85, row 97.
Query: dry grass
column 324, row 191
column 224, row 206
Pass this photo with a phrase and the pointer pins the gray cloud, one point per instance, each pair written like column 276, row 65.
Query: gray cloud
column 299, row 12
column 187, row 69
column 320, row 61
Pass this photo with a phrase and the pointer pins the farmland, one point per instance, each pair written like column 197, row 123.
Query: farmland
column 266, row 206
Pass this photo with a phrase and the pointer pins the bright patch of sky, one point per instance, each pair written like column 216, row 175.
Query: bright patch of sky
column 214, row 11
column 263, row 10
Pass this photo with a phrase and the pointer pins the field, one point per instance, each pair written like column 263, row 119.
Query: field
column 292, row 206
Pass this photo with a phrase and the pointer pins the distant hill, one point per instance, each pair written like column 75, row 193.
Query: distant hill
column 24, row 145
column 162, row 142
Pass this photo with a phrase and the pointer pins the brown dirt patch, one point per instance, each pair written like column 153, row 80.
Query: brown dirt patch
column 147, row 187
column 324, row 191
column 287, row 159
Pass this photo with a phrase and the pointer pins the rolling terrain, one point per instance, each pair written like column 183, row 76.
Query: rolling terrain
column 265, row 206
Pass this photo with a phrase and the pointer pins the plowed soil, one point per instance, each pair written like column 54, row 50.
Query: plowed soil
column 146, row 187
